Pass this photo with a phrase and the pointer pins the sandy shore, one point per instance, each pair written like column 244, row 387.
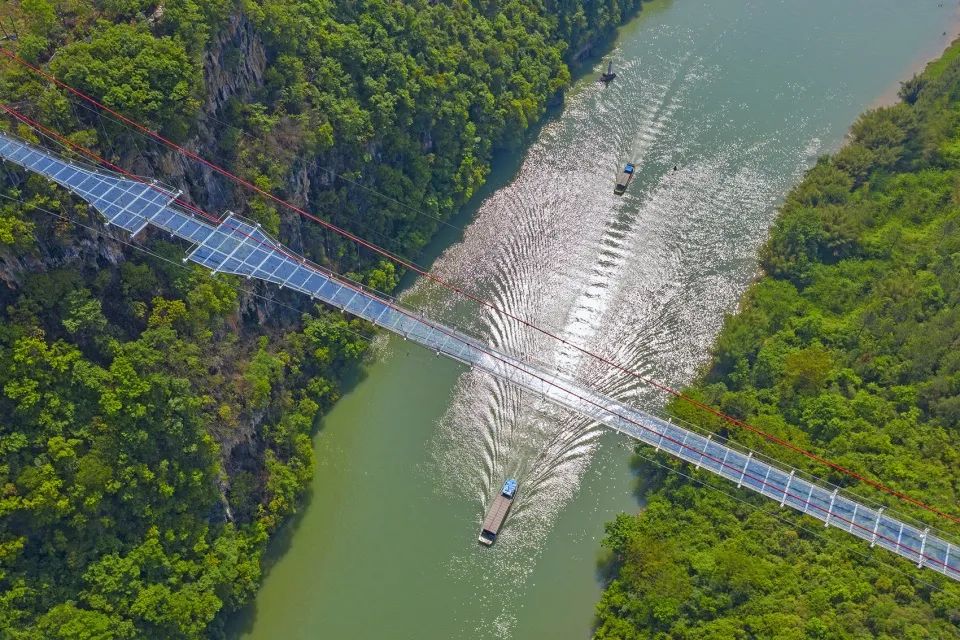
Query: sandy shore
column 951, row 32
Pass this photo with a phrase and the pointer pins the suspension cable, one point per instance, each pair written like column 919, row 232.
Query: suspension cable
column 481, row 301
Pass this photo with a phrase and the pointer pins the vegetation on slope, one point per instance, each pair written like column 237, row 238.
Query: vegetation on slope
column 156, row 423
column 410, row 99
column 118, row 387
column 846, row 346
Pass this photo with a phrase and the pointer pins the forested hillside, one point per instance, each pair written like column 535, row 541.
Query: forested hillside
column 156, row 420
column 848, row 346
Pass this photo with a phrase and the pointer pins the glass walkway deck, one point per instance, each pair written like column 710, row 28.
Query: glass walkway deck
column 236, row 246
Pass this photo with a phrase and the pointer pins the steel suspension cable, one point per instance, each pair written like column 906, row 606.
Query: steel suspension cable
column 483, row 302
column 745, row 472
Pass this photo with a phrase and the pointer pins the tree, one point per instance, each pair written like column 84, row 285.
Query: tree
column 845, row 346
column 149, row 79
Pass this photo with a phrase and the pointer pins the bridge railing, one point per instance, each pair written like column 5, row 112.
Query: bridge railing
column 238, row 246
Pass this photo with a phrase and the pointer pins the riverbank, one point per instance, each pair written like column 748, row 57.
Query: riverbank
column 420, row 446
column 169, row 432
column 935, row 51
column 844, row 347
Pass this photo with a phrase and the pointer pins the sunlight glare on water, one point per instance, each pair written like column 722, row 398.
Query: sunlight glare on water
column 741, row 96
column 643, row 280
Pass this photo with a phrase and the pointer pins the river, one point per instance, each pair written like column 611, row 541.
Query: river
column 741, row 96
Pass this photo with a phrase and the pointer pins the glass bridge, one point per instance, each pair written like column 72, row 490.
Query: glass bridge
column 234, row 245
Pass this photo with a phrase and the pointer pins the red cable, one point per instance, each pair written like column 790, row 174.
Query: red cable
column 183, row 203
column 441, row 329
column 384, row 252
column 100, row 160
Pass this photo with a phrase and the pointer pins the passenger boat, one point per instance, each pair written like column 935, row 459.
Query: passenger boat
column 609, row 75
column 624, row 180
column 497, row 513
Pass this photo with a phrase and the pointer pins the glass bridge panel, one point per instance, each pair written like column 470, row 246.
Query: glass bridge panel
column 124, row 213
column 284, row 271
column 19, row 154
column 64, row 174
column 314, row 282
column 235, row 263
column 713, row 456
column 83, row 183
column 192, row 230
column 776, row 483
column 797, row 493
column 357, row 303
column 455, row 348
column 863, row 522
column 328, row 289
column 151, row 203
column 300, row 277
column 391, row 320
column 935, row 554
column 733, row 467
column 373, row 311
column 819, row 502
column 841, row 516
column 419, row 331
column 754, row 477
column 270, row 265
column 693, row 446
column 204, row 257
column 162, row 217
column 128, row 221
column 911, row 541
column 343, row 295
column 107, row 192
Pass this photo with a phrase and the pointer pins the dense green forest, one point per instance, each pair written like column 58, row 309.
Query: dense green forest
column 848, row 346
column 157, row 420
column 409, row 98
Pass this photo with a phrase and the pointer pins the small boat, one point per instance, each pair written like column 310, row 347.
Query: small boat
column 609, row 75
column 497, row 513
column 624, row 180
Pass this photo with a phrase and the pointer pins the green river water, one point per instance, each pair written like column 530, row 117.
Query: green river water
column 740, row 95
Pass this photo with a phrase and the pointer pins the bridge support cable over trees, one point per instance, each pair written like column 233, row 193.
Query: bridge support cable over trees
column 236, row 246
column 407, row 264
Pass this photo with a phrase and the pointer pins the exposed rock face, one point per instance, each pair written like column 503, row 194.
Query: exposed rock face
column 299, row 185
column 90, row 244
column 233, row 65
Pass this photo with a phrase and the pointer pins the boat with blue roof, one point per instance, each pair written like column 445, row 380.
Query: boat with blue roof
column 625, row 179
column 497, row 513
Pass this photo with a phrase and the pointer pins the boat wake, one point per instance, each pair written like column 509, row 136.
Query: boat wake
column 643, row 280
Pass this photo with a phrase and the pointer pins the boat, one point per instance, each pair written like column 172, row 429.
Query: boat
column 624, row 180
column 497, row 513
column 609, row 75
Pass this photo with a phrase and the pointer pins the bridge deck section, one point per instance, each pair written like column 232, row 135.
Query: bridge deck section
column 239, row 247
